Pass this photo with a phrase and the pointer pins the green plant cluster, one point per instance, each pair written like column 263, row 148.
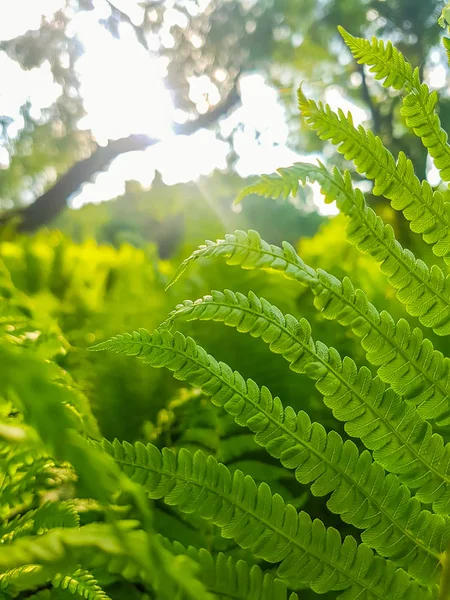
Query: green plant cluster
column 212, row 504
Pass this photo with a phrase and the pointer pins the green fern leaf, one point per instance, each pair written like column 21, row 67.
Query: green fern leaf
column 419, row 375
column 248, row 251
column 80, row 583
column 424, row 292
column 446, row 42
column 227, row 578
column 48, row 516
column 67, row 545
column 318, row 459
column 389, row 65
column 272, row 187
column 24, row 477
column 418, row 108
column 384, row 422
column 426, row 210
column 26, row 577
column 308, row 553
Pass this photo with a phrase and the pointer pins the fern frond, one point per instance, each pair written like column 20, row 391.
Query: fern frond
column 270, row 186
column 425, row 292
column 318, row 458
column 249, row 251
column 23, row 479
column 411, row 366
column 419, row 105
column 428, row 213
column 418, row 108
column 66, row 546
column 227, row 578
column 446, row 43
column 400, row 438
column 48, row 516
column 24, row 578
column 387, row 63
column 80, row 583
column 117, row 547
column 308, row 553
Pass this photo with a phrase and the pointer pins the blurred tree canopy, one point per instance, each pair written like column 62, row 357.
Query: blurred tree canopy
column 215, row 42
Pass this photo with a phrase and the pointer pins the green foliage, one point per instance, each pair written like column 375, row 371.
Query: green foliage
column 392, row 422
column 191, row 515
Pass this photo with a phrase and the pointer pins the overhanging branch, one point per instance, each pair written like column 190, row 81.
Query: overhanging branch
column 53, row 201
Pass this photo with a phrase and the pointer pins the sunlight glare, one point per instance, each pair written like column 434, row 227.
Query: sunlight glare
column 121, row 84
column 22, row 15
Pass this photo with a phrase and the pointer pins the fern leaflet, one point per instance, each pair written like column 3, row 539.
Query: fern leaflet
column 82, row 583
column 387, row 63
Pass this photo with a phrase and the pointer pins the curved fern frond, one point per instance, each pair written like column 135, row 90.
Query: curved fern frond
column 428, row 213
column 119, row 547
column 48, row 516
column 22, row 478
column 418, row 108
column 318, row 459
column 308, row 552
column 425, row 292
column 80, row 583
column 389, row 65
column 26, row 577
column 66, row 546
column 249, row 251
column 411, row 366
column 402, row 441
column 227, row 578
column 446, row 43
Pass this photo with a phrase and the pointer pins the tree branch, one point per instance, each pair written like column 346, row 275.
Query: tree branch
column 45, row 208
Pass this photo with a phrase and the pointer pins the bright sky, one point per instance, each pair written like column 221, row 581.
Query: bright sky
column 124, row 93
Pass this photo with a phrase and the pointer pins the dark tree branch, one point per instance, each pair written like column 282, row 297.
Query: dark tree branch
column 53, row 201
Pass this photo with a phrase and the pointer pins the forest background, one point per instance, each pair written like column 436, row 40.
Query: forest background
column 128, row 128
